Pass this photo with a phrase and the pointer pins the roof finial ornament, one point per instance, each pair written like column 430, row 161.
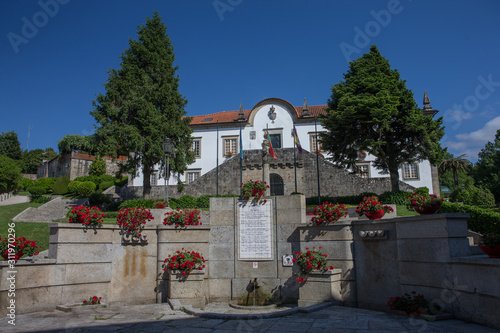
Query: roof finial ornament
column 241, row 115
column 427, row 102
column 427, row 109
column 305, row 109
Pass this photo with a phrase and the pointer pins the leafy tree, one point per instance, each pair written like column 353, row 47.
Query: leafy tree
column 32, row 160
column 49, row 154
column 10, row 145
column 487, row 169
column 10, row 174
column 372, row 110
column 73, row 141
column 455, row 164
column 142, row 105
column 97, row 167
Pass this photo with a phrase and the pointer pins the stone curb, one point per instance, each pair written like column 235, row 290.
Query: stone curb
column 267, row 315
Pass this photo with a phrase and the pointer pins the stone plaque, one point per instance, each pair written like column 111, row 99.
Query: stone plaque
column 255, row 234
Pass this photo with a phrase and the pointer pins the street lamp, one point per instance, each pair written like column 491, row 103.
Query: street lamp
column 168, row 147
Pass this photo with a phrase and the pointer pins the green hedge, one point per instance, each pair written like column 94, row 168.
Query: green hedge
column 481, row 220
column 60, row 186
column 136, row 203
column 396, row 197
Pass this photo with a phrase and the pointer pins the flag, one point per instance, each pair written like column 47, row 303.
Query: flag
column 271, row 150
column 241, row 145
column 296, row 139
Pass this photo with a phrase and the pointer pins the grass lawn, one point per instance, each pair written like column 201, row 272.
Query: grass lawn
column 38, row 232
column 403, row 211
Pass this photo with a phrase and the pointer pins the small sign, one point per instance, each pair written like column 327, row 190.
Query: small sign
column 255, row 264
column 287, row 260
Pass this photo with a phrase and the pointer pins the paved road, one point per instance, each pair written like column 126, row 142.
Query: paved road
column 160, row 318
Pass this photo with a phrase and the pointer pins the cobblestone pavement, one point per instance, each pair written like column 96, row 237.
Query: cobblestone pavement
column 160, row 318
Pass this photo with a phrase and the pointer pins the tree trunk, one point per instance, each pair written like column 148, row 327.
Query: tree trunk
column 455, row 176
column 146, row 183
column 394, row 172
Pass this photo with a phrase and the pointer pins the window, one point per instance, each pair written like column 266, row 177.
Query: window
column 410, row 171
column 154, row 179
column 195, row 148
column 275, row 140
column 313, row 139
column 230, row 147
column 363, row 170
column 192, row 176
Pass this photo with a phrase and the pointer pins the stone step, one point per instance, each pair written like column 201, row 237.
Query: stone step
column 48, row 212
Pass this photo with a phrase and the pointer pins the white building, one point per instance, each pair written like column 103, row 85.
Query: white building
column 216, row 138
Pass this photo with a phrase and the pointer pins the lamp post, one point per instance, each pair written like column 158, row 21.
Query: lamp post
column 168, row 147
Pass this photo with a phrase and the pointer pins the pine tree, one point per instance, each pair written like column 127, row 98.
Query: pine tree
column 372, row 110
column 142, row 105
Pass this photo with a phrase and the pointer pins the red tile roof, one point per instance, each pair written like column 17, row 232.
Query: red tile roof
column 225, row 117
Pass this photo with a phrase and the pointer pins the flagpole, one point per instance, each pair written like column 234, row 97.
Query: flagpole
column 217, row 181
column 294, row 160
column 317, row 160
column 241, row 164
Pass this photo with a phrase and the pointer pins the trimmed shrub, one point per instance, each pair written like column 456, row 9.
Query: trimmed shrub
column 46, row 183
column 106, row 178
column 481, row 220
column 112, row 215
column 85, row 189
column 474, row 196
column 121, row 182
column 137, row 203
column 61, row 185
column 105, row 185
column 93, row 179
column 73, row 186
column 186, row 201
column 96, row 198
column 203, row 201
column 36, row 191
column 24, row 184
column 395, row 198
column 41, row 199
column 421, row 190
column 114, row 206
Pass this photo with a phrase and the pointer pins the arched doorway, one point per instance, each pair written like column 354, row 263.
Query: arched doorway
column 277, row 187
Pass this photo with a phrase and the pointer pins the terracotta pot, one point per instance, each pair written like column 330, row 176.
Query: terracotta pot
column 18, row 255
column 375, row 215
column 428, row 209
column 491, row 252
column 160, row 206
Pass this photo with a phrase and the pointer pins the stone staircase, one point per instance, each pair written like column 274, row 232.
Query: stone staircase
column 51, row 211
column 113, row 193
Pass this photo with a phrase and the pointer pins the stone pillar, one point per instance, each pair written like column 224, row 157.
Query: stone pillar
column 321, row 287
column 265, row 176
column 435, row 180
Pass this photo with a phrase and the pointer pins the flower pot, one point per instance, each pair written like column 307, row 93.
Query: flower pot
column 159, row 206
column 19, row 254
column 377, row 215
column 491, row 252
column 427, row 209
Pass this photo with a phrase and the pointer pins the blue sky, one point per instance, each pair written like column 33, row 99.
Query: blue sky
column 55, row 54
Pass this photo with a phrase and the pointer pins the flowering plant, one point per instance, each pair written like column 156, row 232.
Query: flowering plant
column 133, row 219
column 181, row 218
column 185, row 261
column 309, row 260
column 85, row 215
column 19, row 247
column 92, row 301
column 253, row 189
column 491, row 239
column 372, row 204
column 160, row 203
column 421, row 201
column 411, row 304
column 328, row 212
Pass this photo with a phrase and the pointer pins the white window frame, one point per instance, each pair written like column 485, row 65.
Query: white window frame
column 359, row 171
column 313, row 136
column 196, row 140
column 410, row 171
column 153, row 181
column 196, row 172
column 232, row 150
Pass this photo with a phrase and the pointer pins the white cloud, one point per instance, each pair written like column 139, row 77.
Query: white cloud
column 472, row 143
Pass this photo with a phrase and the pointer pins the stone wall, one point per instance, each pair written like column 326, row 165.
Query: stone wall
column 379, row 259
column 334, row 180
